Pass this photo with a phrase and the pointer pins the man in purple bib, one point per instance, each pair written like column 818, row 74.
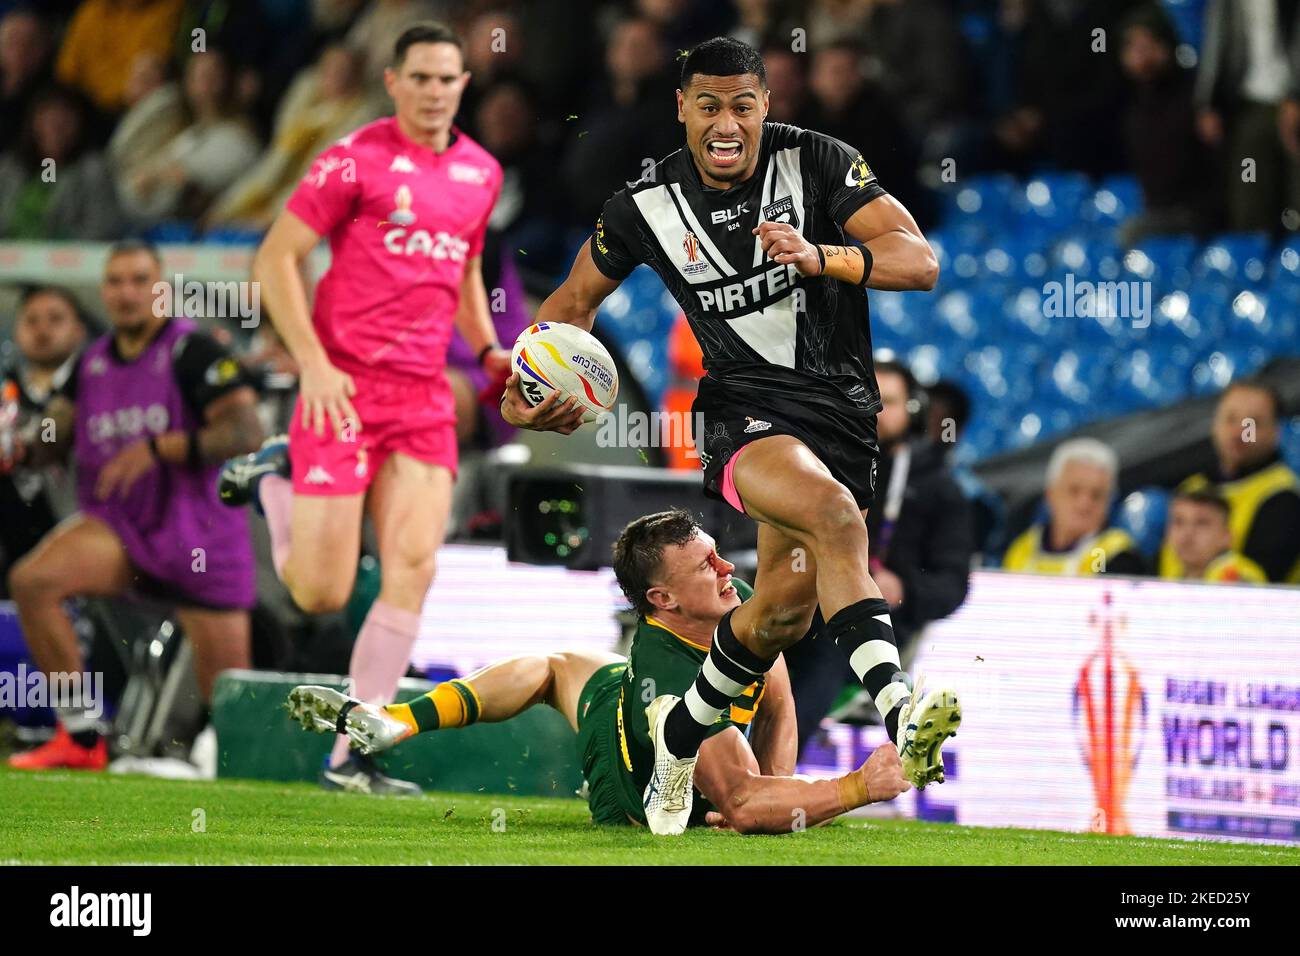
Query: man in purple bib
column 159, row 405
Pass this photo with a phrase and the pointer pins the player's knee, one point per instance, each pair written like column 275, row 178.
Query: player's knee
column 31, row 580
column 319, row 597
column 781, row 626
column 836, row 520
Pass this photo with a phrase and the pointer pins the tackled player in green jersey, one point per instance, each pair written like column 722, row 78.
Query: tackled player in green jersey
column 680, row 587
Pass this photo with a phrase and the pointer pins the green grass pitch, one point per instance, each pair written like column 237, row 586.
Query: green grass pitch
column 65, row 817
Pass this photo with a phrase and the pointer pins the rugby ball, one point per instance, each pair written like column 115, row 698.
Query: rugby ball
column 552, row 356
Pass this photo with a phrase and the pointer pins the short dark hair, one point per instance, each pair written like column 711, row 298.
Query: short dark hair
column 949, row 393
column 1206, row 496
column 1259, row 385
column 126, row 247
column 639, row 551
column 33, row 291
column 723, row 56
column 426, row 31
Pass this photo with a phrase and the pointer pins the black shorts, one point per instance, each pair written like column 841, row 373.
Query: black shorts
column 732, row 417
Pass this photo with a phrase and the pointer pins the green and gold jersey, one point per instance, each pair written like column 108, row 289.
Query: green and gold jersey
column 660, row 662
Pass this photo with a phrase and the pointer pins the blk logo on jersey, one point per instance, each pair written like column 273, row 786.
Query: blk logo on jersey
column 694, row 264
column 718, row 217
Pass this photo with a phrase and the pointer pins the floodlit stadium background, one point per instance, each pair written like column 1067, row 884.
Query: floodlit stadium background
column 1015, row 135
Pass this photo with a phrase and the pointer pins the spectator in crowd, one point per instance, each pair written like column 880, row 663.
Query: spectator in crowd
column 376, row 31
column 323, row 104
column 947, row 412
column 845, row 105
column 1164, row 151
column 915, row 48
column 529, row 212
column 495, row 44
column 25, row 54
column 103, row 40
column 155, row 114
column 216, row 145
column 1200, row 538
column 1082, row 475
column 1243, row 79
column 1262, row 492
column 787, row 86
column 1068, row 94
column 49, row 332
column 921, row 543
column 832, row 21
column 757, row 24
column 151, row 411
column 631, row 122
column 52, row 185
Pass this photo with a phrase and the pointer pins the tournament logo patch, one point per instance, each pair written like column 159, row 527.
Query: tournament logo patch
column 402, row 215
column 859, row 173
column 781, row 211
column 694, row 264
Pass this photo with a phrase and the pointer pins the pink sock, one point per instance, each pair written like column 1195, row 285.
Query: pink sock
column 276, row 494
column 379, row 659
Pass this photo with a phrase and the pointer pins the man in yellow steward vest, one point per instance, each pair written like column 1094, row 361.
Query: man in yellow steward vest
column 1200, row 538
column 1262, row 493
column 1081, row 479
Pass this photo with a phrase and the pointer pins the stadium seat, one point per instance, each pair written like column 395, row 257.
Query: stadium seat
column 1163, row 260
column 1051, row 202
column 1143, row 514
column 1117, row 198
column 1234, row 258
column 984, row 200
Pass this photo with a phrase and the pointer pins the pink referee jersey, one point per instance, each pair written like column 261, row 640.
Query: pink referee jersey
column 402, row 221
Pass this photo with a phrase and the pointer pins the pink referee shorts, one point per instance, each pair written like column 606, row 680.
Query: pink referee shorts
column 412, row 417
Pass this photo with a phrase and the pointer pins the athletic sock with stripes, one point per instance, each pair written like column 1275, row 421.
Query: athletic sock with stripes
column 864, row 632
column 727, row 672
column 450, row 704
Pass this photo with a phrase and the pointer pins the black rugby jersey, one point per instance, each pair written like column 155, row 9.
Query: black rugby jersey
column 760, row 325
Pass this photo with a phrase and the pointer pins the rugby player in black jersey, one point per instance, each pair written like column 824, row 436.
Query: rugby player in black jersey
column 768, row 235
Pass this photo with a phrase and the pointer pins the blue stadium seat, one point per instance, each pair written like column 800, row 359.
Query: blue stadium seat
column 1188, row 17
column 1117, row 198
column 1145, row 378
column 1090, row 257
column 1163, row 260
column 1234, row 258
column 984, row 200
column 167, row 233
column 1290, row 442
column 1258, row 318
column 1051, row 202
column 1219, row 365
column 1143, row 514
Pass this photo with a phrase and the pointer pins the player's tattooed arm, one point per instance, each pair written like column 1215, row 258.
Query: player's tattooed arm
column 231, row 428
column 845, row 263
column 899, row 257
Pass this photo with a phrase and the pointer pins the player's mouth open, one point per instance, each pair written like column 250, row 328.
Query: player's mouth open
column 728, row 591
column 724, row 152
